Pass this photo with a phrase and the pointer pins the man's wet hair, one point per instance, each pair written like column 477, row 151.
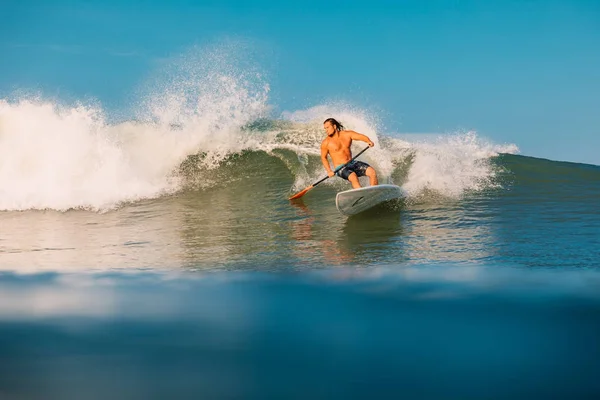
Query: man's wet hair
column 335, row 123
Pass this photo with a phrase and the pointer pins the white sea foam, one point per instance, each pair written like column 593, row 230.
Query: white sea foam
column 452, row 164
column 62, row 157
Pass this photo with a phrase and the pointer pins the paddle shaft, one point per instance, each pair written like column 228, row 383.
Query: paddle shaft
column 302, row 193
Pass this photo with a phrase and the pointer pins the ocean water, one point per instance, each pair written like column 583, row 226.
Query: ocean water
column 159, row 255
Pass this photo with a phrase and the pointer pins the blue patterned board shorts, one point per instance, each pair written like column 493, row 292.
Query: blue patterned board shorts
column 357, row 167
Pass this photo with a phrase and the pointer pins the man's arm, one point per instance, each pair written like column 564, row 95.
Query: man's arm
column 361, row 137
column 324, row 152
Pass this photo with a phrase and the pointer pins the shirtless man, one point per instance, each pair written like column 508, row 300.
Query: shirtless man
column 337, row 145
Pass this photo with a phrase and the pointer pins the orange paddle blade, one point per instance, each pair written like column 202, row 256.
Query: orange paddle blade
column 302, row 193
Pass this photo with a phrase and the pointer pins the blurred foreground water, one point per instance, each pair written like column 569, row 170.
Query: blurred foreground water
column 429, row 331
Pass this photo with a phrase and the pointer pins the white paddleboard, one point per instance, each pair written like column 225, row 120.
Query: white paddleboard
column 354, row 201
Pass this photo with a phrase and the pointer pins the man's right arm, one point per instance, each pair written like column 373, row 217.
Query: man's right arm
column 324, row 152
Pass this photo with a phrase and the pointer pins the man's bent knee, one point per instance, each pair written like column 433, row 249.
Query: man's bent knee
column 372, row 174
column 370, row 171
column 353, row 178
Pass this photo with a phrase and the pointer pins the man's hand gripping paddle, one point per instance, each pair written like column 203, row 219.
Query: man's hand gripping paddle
column 302, row 193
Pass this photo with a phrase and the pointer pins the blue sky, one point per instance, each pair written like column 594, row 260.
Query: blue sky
column 523, row 72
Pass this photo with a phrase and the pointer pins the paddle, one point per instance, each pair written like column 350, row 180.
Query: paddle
column 302, row 193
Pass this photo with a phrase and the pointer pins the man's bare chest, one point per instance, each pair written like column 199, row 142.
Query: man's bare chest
column 335, row 146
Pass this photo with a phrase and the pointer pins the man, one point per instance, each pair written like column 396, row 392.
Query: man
column 337, row 145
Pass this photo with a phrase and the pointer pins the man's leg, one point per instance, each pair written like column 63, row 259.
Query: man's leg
column 354, row 180
column 370, row 172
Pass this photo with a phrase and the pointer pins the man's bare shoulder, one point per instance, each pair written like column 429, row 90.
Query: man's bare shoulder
column 347, row 132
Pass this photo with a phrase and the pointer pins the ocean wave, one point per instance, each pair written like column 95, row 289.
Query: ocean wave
column 61, row 157
column 57, row 157
column 194, row 121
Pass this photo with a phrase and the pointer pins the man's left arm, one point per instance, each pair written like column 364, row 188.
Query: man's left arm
column 361, row 137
